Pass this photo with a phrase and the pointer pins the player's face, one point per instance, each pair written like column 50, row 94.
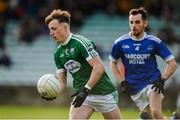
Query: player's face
column 58, row 30
column 137, row 25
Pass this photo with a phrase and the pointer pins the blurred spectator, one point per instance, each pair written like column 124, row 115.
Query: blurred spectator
column 167, row 11
column 77, row 18
column 52, row 4
column 37, row 10
column 124, row 6
column 174, row 91
column 4, row 58
column 111, row 8
column 167, row 34
column 3, row 6
column 41, row 14
column 178, row 57
column 154, row 7
column 15, row 9
column 178, row 107
column 28, row 30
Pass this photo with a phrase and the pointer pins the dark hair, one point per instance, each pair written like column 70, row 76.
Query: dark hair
column 60, row 15
column 140, row 10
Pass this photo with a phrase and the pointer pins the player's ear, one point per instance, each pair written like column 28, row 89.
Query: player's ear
column 145, row 23
column 66, row 27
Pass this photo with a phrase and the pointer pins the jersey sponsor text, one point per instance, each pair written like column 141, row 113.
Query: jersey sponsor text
column 137, row 58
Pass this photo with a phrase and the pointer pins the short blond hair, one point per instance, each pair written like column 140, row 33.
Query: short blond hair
column 60, row 15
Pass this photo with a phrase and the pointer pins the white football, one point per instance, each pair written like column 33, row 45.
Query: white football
column 48, row 86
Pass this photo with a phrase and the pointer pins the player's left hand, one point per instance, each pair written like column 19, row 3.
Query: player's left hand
column 125, row 87
column 80, row 97
column 158, row 86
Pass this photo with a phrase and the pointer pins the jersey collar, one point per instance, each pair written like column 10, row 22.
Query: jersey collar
column 137, row 39
column 67, row 40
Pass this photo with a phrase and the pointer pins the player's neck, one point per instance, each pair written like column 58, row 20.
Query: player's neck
column 138, row 37
column 66, row 38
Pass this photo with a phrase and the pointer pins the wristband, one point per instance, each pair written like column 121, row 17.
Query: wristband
column 87, row 86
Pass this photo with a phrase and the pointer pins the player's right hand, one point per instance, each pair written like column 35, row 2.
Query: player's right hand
column 80, row 96
column 48, row 99
column 125, row 87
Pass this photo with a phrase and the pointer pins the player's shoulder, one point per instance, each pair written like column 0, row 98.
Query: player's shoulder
column 153, row 38
column 122, row 38
column 79, row 39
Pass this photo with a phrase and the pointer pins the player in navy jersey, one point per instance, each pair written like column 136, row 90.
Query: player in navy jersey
column 142, row 80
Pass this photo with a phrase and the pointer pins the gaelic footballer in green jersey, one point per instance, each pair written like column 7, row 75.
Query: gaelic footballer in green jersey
column 73, row 56
column 77, row 55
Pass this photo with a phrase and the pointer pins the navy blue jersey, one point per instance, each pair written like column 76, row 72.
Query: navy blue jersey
column 139, row 59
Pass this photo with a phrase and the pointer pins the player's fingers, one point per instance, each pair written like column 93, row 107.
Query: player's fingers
column 45, row 98
column 79, row 102
column 159, row 91
column 155, row 89
column 76, row 105
column 152, row 87
column 51, row 98
column 74, row 102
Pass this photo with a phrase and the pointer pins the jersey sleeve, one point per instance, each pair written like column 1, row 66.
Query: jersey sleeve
column 87, row 49
column 59, row 66
column 164, row 52
column 115, row 53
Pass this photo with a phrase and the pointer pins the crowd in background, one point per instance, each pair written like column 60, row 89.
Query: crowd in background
column 30, row 14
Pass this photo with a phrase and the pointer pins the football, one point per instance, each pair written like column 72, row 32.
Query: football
column 48, row 87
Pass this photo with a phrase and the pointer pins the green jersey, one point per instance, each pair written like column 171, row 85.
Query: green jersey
column 72, row 56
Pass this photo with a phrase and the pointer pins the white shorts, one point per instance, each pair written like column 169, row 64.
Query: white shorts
column 141, row 98
column 102, row 103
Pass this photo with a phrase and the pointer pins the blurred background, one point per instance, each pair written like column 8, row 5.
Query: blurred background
column 26, row 50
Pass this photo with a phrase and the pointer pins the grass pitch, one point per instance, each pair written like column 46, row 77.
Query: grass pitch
column 48, row 112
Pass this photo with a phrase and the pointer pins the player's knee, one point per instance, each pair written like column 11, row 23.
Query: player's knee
column 156, row 114
column 75, row 116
